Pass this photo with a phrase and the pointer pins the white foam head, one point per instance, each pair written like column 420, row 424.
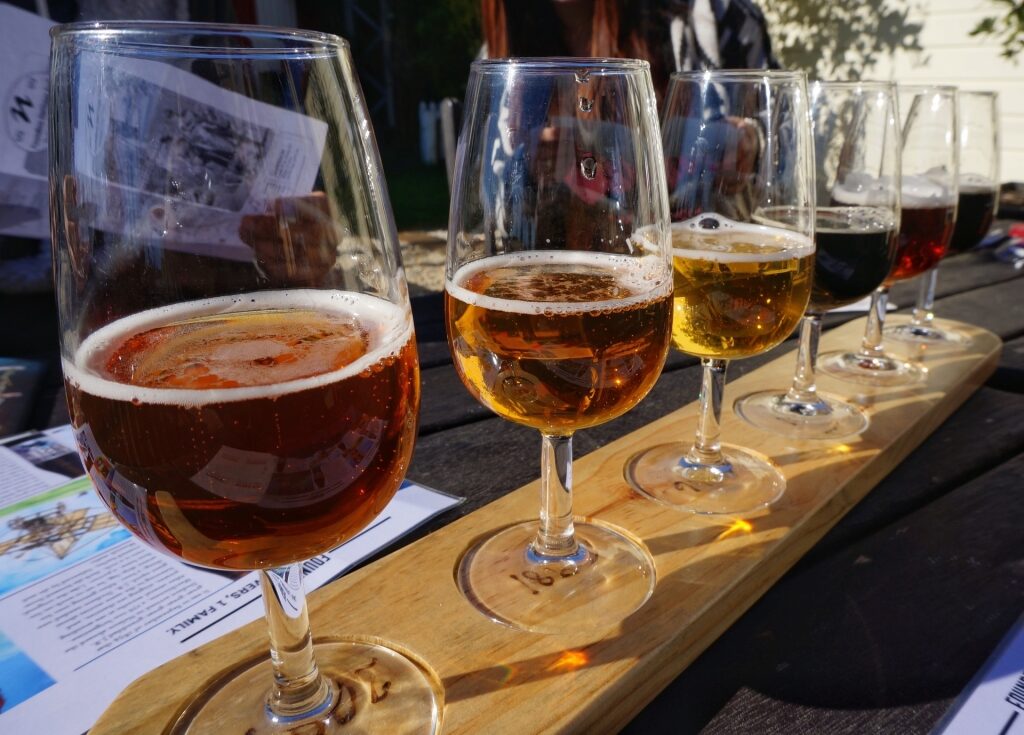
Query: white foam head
column 648, row 277
column 388, row 326
column 856, row 218
column 862, row 190
column 647, row 240
column 716, row 236
column 976, row 184
column 923, row 192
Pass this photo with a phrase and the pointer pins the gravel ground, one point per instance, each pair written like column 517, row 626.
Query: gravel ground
column 423, row 254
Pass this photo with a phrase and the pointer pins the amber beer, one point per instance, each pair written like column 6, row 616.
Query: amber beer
column 926, row 225
column 248, row 432
column 740, row 289
column 561, row 340
column 924, row 237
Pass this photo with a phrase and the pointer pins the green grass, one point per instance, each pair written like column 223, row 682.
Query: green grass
column 419, row 197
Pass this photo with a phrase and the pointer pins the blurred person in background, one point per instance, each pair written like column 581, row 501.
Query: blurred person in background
column 671, row 35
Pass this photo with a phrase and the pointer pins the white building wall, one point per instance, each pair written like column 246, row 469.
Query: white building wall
column 951, row 56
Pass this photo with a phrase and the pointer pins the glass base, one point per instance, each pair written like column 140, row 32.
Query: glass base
column 745, row 482
column 609, row 577
column 374, row 689
column 927, row 334
column 883, row 370
column 826, row 418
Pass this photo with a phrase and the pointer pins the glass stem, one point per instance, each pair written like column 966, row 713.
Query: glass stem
column 803, row 389
column 299, row 689
column 923, row 314
column 706, row 448
column 871, row 345
column 555, row 537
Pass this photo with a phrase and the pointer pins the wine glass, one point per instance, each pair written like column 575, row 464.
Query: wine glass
column 741, row 181
column 856, row 137
column 236, row 334
column 978, row 184
column 978, row 139
column 928, row 208
column 558, row 305
column 930, row 192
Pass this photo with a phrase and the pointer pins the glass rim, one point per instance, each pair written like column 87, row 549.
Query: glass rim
column 924, row 88
column 870, row 83
column 979, row 92
column 153, row 38
column 557, row 64
column 740, row 75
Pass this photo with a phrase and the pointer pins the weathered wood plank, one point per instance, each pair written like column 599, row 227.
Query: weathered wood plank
column 428, row 313
column 983, row 433
column 498, row 680
column 432, row 354
column 960, row 273
column 445, row 402
column 444, row 406
column 996, row 308
column 1009, row 376
column 879, row 638
column 1013, row 355
column 483, row 452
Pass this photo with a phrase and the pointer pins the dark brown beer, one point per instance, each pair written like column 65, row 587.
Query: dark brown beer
column 974, row 214
column 247, row 439
column 924, row 237
column 855, row 247
column 558, row 340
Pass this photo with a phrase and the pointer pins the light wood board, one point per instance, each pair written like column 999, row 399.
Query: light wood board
column 709, row 571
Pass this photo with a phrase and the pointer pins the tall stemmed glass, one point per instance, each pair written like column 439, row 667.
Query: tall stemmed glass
column 978, row 122
column 741, row 181
column 236, row 334
column 928, row 208
column 558, row 303
column 857, row 143
column 978, row 144
column 931, row 157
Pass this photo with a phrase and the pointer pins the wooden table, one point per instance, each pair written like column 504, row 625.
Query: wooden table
column 884, row 621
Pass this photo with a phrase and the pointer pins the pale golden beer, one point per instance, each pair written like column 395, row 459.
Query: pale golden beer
column 739, row 289
column 558, row 340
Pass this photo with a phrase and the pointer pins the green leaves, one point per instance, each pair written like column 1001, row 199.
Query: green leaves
column 1007, row 28
column 838, row 40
